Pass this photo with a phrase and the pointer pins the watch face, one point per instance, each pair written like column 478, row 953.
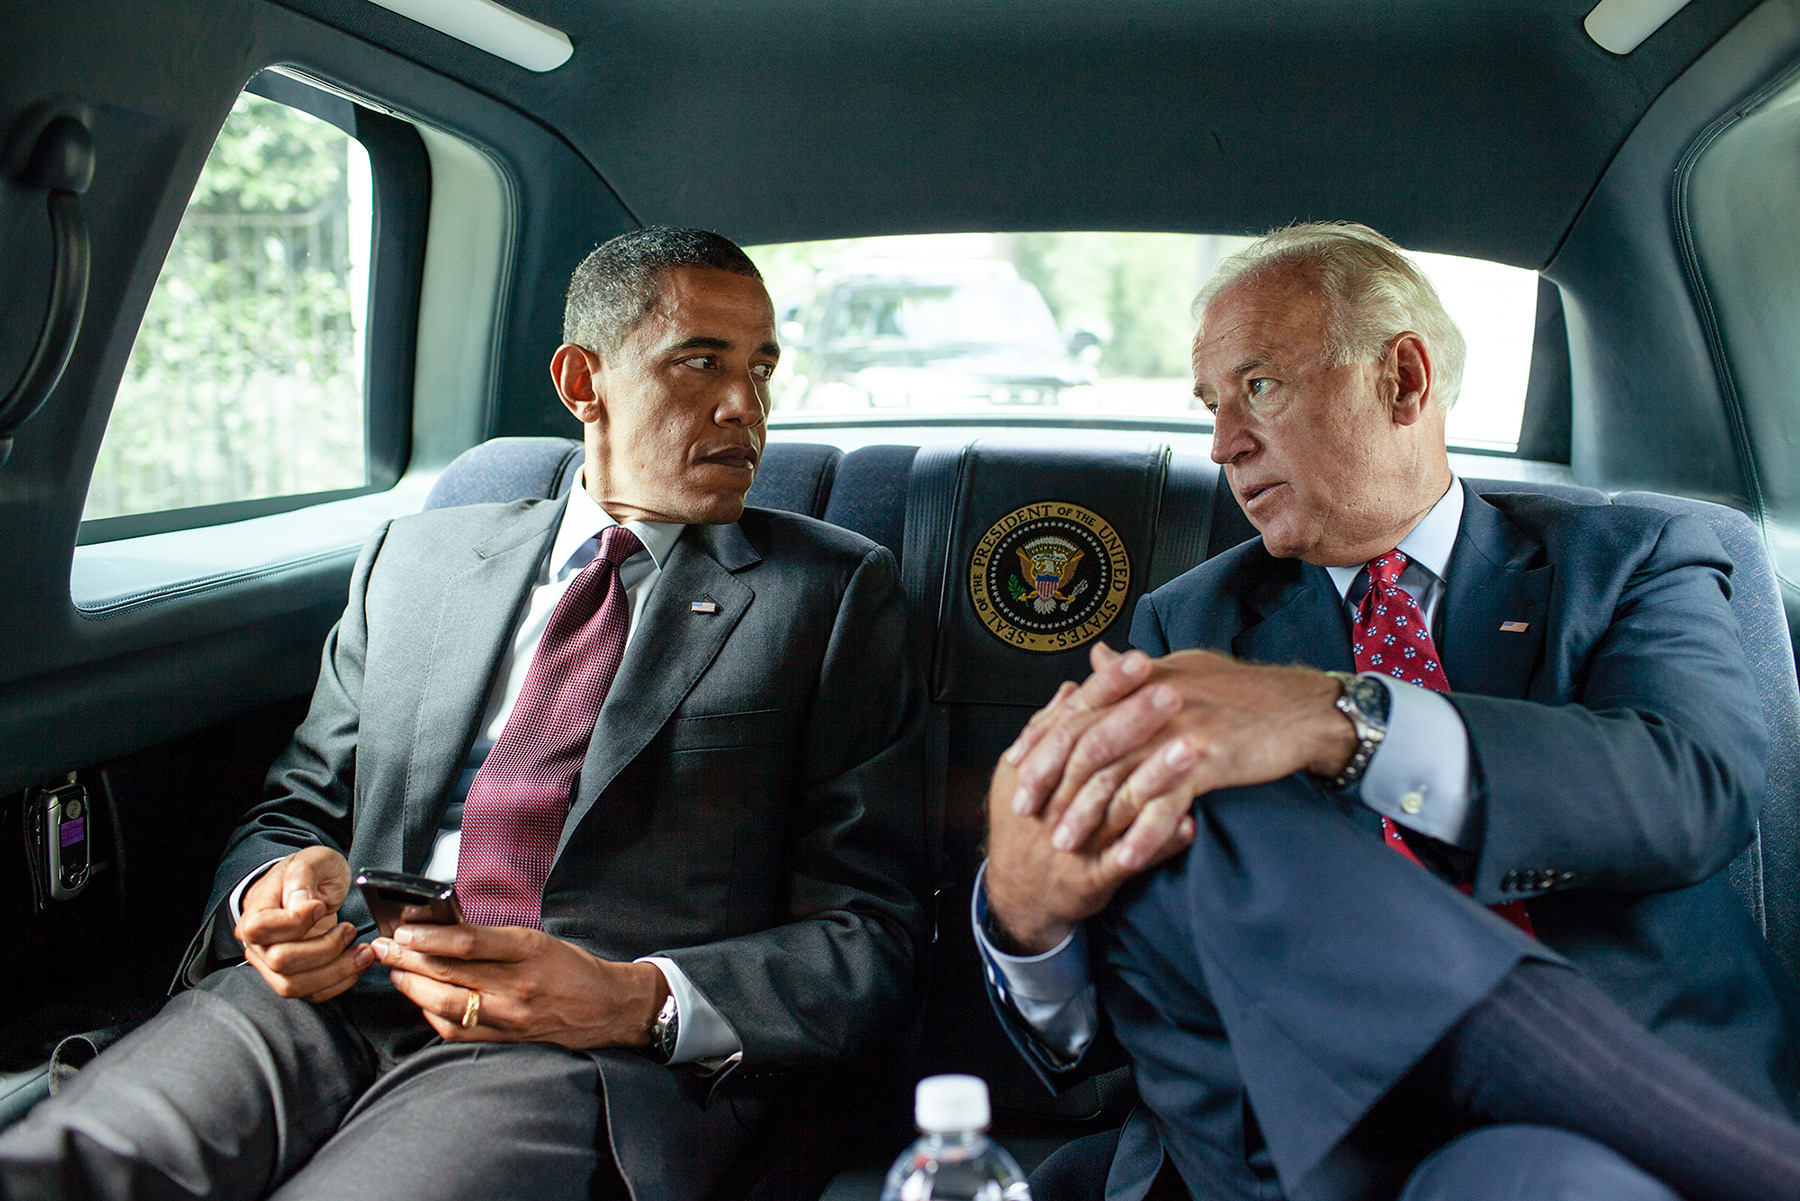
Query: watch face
column 1370, row 698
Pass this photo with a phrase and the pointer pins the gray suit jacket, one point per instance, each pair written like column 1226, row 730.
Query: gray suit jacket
column 749, row 805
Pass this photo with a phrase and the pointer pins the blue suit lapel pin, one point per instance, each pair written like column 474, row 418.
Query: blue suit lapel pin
column 1514, row 627
column 705, row 607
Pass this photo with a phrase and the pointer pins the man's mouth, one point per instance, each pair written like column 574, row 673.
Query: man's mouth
column 742, row 457
column 1253, row 492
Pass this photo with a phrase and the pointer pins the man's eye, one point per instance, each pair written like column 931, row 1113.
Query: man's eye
column 1259, row 385
column 701, row 362
column 763, row 370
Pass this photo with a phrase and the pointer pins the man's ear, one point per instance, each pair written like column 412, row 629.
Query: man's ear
column 572, row 369
column 1410, row 376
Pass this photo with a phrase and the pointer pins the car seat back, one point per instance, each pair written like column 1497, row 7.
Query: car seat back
column 793, row 476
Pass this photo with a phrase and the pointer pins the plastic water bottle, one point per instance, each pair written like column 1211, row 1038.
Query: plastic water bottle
column 954, row 1159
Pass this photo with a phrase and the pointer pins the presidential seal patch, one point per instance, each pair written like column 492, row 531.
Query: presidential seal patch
column 1049, row 577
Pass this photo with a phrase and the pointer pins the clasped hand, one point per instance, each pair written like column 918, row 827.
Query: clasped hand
column 534, row 988
column 1099, row 783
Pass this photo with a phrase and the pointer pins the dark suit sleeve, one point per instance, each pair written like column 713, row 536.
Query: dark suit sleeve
column 842, row 970
column 308, row 793
column 1650, row 776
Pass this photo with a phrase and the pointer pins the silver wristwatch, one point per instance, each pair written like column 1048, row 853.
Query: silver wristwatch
column 664, row 1031
column 1365, row 702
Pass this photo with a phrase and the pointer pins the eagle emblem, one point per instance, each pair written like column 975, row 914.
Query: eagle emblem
column 1048, row 564
column 1049, row 577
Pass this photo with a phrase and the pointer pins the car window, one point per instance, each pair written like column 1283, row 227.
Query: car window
column 1047, row 326
column 246, row 378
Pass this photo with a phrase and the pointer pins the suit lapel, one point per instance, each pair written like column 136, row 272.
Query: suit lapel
column 670, row 650
column 1492, row 582
column 476, row 617
column 1291, row 605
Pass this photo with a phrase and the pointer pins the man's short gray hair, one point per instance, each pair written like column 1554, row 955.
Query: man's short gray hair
column 617, row 284
column 1376, row 294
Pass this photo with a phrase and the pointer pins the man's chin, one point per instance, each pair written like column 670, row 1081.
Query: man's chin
column 714, row 510
column 1280, row 541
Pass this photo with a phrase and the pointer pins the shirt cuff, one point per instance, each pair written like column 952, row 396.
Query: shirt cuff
column 1420, row 775
column 1051, row 991
column 235, row 903
column 702, row 1036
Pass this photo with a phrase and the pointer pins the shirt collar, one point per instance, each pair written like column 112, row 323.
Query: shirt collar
column 584, row 519
column 1428, row 545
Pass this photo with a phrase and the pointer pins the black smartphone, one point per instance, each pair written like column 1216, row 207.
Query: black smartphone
column 395, row 898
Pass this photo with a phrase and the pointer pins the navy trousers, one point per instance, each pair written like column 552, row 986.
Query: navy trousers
column 1496, row 1163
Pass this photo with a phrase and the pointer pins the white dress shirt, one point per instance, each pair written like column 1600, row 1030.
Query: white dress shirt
column 702, row 1035
column 1419, row 778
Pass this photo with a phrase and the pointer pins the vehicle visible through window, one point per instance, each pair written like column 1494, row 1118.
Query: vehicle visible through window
column 1054, row 326
column 246, row 379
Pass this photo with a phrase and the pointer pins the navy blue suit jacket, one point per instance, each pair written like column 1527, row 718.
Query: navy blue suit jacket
column 1618, row 754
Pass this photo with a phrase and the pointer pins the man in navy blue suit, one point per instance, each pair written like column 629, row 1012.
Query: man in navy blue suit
column 1446, row 920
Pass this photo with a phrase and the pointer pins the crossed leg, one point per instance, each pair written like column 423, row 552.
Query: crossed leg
column 1291, row 963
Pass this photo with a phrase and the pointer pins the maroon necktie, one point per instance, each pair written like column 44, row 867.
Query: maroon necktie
column 1390, row 637
column 517, row 804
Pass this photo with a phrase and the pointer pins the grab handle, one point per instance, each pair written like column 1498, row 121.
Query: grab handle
column 62, row 163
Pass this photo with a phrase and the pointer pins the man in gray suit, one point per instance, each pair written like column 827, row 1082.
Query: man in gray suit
column 721, row 897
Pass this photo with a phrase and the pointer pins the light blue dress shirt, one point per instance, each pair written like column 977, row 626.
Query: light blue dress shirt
column 1419, row 777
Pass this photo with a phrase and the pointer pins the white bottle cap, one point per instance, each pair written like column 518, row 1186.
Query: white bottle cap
column 947, row 1104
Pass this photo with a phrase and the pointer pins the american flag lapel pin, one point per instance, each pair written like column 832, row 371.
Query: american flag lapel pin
column 1506, row 627
column 705, row 607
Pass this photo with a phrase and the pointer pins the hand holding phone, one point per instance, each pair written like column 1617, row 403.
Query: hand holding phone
column 396, row 898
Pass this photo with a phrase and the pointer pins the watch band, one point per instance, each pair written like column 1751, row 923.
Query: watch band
column 665, row 1031
column 1365, row 702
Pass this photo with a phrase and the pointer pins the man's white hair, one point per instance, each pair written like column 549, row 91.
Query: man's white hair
column 1376, row 294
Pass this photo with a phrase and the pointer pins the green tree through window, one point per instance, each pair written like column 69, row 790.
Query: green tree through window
column 246, row 380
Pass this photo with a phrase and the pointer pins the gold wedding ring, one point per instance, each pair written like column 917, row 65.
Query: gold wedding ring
column 472, row 1011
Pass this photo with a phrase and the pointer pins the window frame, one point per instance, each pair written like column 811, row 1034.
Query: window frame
column 400, row 173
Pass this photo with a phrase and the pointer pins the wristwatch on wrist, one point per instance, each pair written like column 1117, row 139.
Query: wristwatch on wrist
column 664, row 1031
column 1365, row 702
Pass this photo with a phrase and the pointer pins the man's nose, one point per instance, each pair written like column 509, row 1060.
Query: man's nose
column 745, row 401
column 1231, row 439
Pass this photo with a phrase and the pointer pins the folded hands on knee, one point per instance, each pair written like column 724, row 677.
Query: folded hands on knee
column 1099, row 783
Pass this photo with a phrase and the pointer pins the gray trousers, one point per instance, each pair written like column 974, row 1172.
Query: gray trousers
column 234, row 1092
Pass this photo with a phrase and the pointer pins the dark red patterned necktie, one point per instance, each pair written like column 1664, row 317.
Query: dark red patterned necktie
column 1390, row 637
column 517, row 804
